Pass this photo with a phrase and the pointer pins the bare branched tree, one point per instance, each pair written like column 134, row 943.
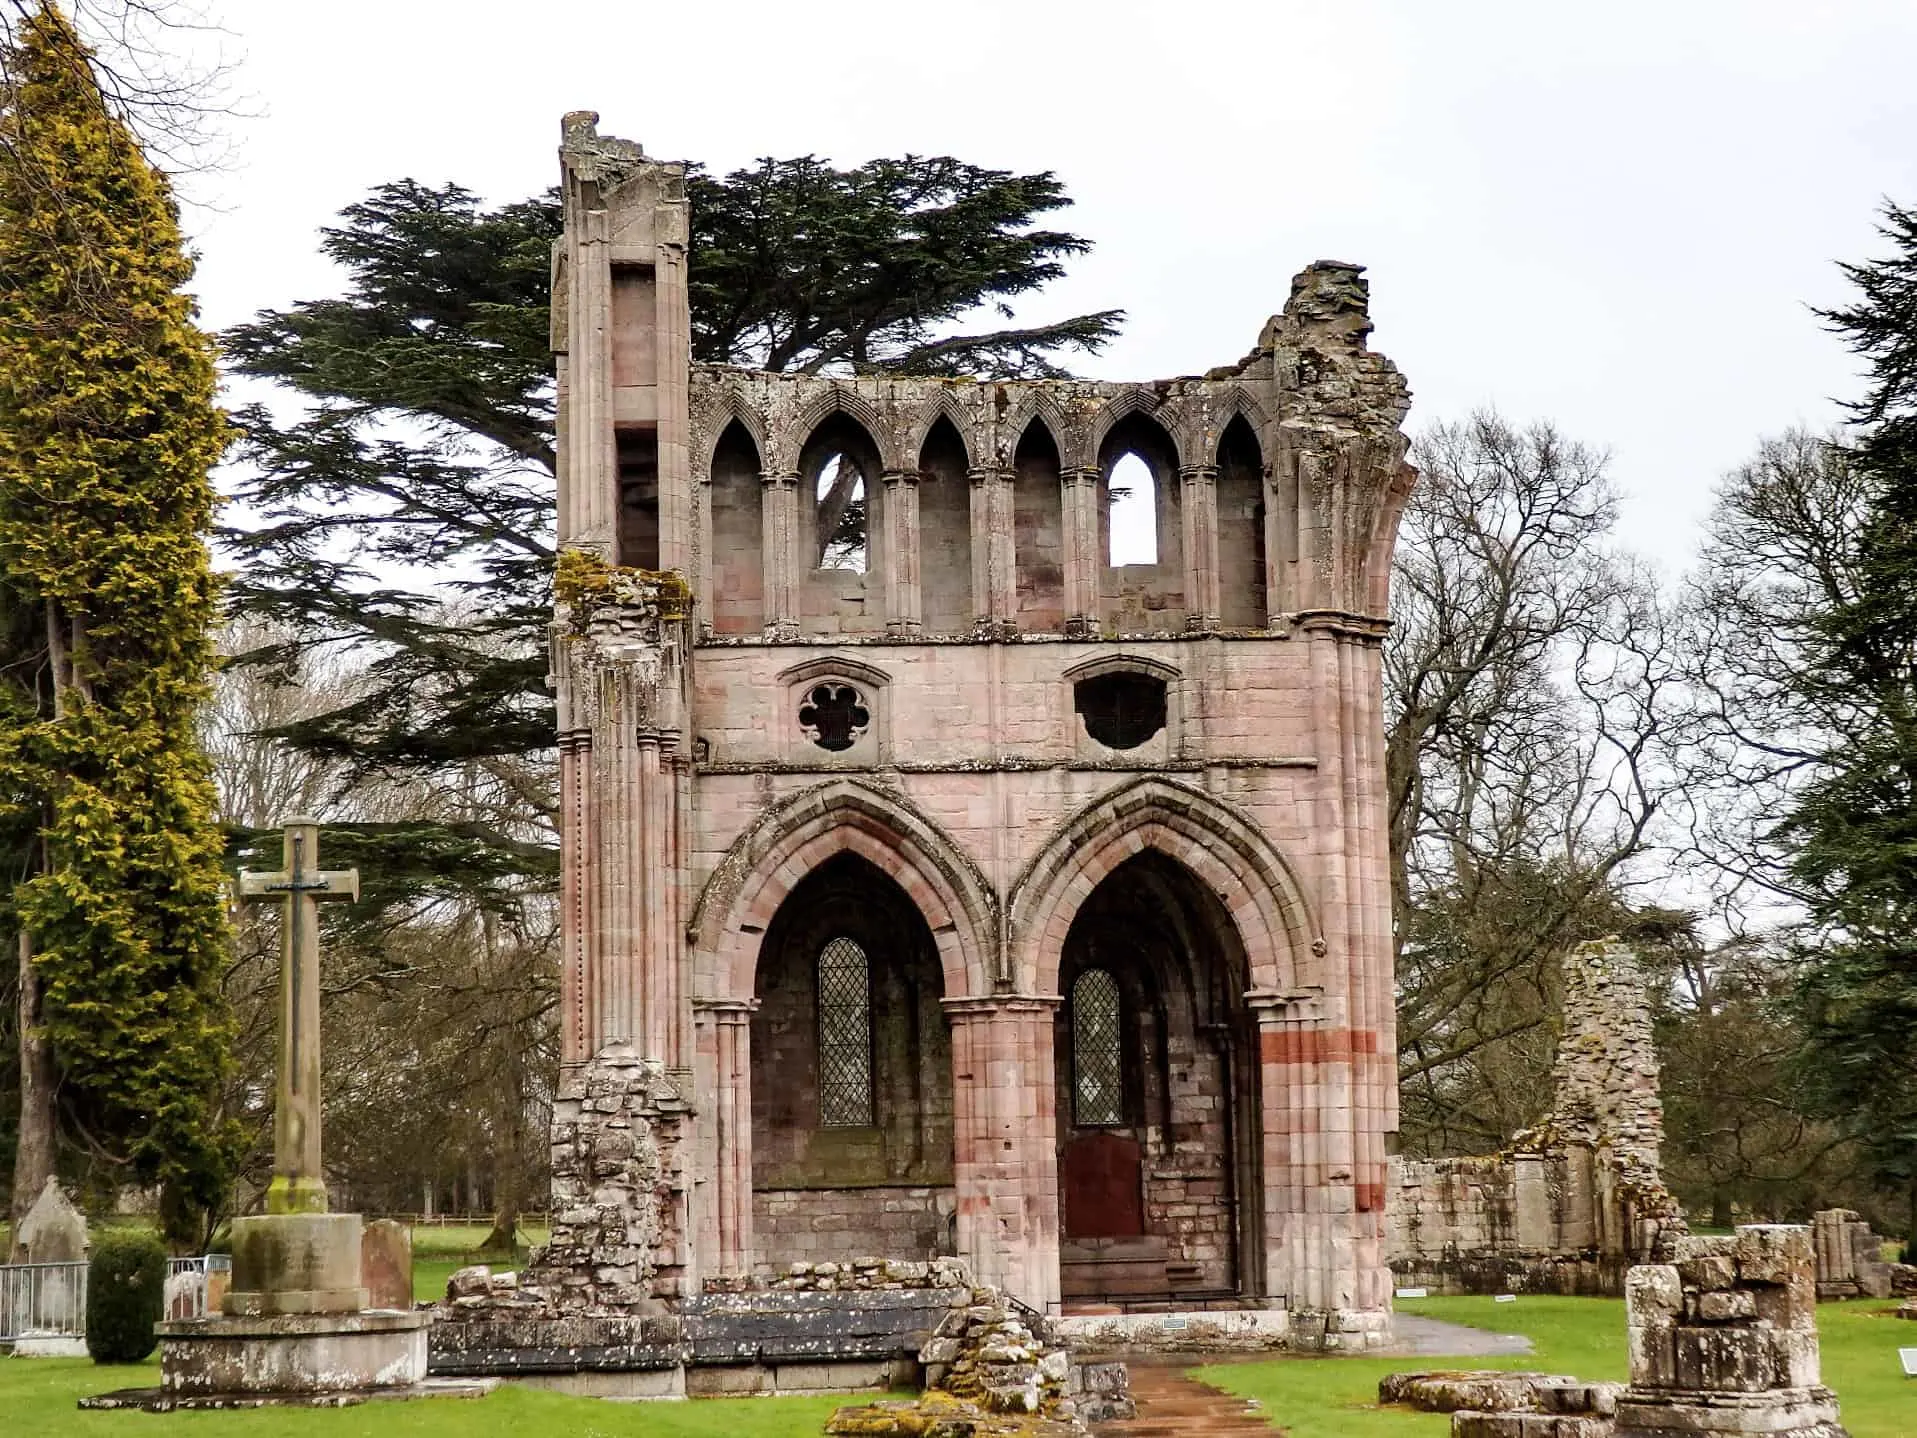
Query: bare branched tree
column 1529, row 678
column 147, row 58
column 1780, row 550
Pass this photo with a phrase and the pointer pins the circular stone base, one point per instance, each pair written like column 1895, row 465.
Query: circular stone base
column 293, row 1354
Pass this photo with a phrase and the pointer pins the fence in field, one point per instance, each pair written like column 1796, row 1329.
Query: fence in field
column 49, row 1300
column 42, row 1300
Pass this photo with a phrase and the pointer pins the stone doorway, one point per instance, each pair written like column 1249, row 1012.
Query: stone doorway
column 851, row 1076
column 1157, row 1074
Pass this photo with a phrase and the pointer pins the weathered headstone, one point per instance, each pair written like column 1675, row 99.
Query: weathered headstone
column 386, row 1264
column 54, row 1231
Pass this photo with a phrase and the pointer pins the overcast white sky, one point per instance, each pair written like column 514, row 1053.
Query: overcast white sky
column 1616, row 216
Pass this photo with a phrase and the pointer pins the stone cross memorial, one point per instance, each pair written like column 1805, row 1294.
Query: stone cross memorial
column 300, row 886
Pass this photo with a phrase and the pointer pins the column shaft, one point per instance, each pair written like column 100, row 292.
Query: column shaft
column 1079, row 499
column 901, row 558
column 779, row 519
column 1198, row 515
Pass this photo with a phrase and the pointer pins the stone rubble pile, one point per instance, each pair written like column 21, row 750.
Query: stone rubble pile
column 992, row 1371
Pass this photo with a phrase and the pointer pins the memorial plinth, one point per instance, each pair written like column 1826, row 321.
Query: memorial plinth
column 295, row 1325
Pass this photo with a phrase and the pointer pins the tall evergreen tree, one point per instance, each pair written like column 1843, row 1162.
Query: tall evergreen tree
column 425, row 448
column 108, row 431
column 1855, row 827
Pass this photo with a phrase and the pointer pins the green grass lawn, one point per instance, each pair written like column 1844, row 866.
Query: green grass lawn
column 1582, row 1336
column 37, row 1397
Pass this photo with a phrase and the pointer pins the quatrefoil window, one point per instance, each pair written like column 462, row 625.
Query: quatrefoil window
column 833, row 716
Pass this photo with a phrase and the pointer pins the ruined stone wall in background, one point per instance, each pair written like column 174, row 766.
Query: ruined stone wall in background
column 1578, row 1197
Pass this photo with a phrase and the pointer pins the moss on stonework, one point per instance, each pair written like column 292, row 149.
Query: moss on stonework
column 583, row 582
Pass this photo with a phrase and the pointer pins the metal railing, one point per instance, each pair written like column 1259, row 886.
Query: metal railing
column 43, row 1300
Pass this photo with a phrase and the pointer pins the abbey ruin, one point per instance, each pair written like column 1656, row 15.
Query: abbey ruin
column 934, row 884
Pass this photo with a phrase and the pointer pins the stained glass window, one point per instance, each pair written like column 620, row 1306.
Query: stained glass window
column 1098, row 1080
column 845, row 1036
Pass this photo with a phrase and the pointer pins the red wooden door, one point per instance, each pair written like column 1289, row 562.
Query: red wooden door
column 1101, row 1179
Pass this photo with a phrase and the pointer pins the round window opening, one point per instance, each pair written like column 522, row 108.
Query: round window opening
column 834, row 716
column 1121, row 711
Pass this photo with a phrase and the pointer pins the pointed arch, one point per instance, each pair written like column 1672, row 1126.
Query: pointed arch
column 1223, row 848
column 1032, row 404
column 838, row 399
column 1139, row 400
column 1235, row 403
column 942, row 405
column 730, row 409
column 790, row 840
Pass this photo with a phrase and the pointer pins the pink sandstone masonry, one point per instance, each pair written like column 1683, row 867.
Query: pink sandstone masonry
column 1579, row 1197
column 960, row 890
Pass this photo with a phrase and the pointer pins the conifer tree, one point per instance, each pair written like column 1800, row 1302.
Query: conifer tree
column 108, row 430
column 1855, row 827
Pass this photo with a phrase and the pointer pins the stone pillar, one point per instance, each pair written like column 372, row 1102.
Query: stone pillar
column 902, row 612
column 578, row 942
column 784, row 565
column 728, row 1120
column 1078, row 503
column 1319, row 1255
column 994, row 560
column 1199, row 526
column 1005, row 1143
column 1725, row 1340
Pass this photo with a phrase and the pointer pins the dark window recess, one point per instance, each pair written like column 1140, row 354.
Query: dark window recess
column 1098, row 1088
column 1121, row 711
column 834, row 716
column 845, row 1036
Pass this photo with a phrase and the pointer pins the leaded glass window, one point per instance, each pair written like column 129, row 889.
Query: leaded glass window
column 1098, row 1080
column 845, row 1035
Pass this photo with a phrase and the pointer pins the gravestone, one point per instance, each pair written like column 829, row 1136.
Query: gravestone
column 386, row 1264
column 54, row 1231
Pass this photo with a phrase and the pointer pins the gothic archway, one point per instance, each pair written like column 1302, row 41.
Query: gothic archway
column 1157, row 1063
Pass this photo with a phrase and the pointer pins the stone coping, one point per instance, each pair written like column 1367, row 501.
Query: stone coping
column 295, row 1325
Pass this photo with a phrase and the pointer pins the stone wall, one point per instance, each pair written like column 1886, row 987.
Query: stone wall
column 1850, row 1259
column 836, row 1224
column 1577, row 1198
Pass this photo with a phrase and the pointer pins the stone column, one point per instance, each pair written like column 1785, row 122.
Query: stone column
column 578, row 958
column 1005, row 1143
column 1078, row 499
column 784, row 565
column 1198, row 525
column 589, row 513
column 994, row 558
column 1316, row 1261
column 727, row 1042
column 902, row 612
